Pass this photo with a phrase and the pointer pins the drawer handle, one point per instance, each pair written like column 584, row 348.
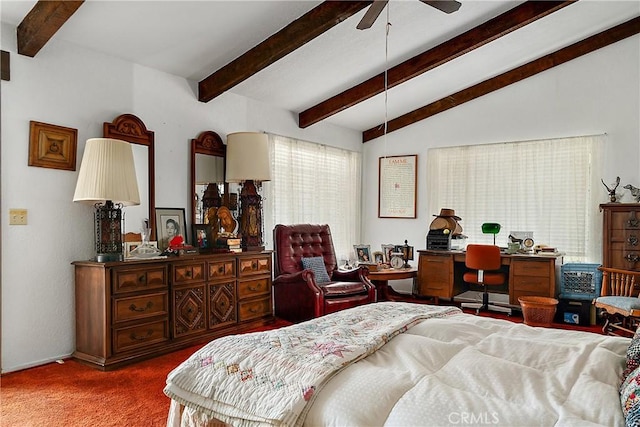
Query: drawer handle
column 188, row 273
column 135, row 337
column 254, row 265
column 142, row 278
column 632, row 257
column 252, row 288
column 253, row 309
column 633, row 240
column 221, row 269
column 633, row 223
column 133, row 307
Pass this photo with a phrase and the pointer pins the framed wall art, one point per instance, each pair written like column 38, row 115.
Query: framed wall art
column 170, row 222
column 397, row 176
column 52, row 146
column 202, row 238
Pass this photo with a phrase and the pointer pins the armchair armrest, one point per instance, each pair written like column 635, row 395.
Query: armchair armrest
column 305, row 276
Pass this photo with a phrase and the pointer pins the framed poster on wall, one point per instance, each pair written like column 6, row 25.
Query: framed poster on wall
column 397, row 176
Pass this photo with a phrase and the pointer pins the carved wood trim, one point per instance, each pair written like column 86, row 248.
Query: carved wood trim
column 302, row 30
column 209, row 142
column 42, row 22
column 588, row 45
column 466, row 42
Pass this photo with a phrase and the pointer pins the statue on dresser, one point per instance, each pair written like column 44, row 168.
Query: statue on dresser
column 635, row 191
column 613, row 197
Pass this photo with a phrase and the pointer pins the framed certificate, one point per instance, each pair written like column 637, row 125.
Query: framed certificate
column 397, row 188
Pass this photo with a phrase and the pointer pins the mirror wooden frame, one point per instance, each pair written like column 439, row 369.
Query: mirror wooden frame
column 208, row 143
column 130, row 128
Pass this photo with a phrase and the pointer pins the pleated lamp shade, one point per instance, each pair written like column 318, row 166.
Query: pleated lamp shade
column 248, row 157
column 107, row 172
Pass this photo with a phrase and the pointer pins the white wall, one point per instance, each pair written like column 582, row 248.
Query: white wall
column 594, row 94
column 72, row 87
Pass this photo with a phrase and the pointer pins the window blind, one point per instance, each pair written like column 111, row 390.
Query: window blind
column 545, row 186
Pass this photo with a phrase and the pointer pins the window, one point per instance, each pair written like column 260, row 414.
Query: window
column 314, row 183
column 547, row 187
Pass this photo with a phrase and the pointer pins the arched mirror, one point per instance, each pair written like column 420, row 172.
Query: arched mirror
column 207, row 177
column 128, row 127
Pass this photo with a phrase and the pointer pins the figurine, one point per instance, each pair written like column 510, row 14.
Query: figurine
column 613, row 197
column 635, row 191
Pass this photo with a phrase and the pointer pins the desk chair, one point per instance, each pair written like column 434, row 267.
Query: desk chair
column 619, row 307
column 483, row 263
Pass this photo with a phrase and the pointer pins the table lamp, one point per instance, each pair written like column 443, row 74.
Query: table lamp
column 107, row 179
column 491, row 228
column 248, row 163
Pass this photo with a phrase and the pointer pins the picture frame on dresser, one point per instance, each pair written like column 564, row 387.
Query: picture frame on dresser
column 170, row 222
column 202, row 236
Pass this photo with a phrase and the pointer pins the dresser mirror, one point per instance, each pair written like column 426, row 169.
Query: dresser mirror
column 128, row 127
column 207, row 177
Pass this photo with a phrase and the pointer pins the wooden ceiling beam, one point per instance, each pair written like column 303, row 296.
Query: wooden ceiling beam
column 304, row 29
column 42, row 22
column 489, row 31
column 588, row 45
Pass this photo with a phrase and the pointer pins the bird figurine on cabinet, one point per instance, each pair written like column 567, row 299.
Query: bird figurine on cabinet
column 613, row 197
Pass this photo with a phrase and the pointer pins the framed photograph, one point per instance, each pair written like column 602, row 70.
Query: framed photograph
column 363, row 253
column 397, row 190
column 378, row 257
column 386, row 252
column 52, row 146
column 130, row 246
column 202, row 237
column 170, row 222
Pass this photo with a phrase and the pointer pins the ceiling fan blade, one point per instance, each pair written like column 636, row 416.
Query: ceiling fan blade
column 446, row 6
column 372, row 14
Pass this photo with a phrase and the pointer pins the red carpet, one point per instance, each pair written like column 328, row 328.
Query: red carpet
column 75, row 395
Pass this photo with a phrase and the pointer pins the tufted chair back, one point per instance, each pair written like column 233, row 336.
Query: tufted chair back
column 294, row 242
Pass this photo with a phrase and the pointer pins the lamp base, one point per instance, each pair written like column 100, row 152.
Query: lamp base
column 109, row 257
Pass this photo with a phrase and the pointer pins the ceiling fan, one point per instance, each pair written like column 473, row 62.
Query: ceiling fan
column 446, row 6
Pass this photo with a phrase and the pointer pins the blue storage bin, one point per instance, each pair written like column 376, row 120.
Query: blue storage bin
column 580, row 281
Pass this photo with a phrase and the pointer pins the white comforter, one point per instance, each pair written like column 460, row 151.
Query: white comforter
column 469, row 370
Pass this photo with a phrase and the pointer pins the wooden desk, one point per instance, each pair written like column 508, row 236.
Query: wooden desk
column 381, row 279
column 440, row 274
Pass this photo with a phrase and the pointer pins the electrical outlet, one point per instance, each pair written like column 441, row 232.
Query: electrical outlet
column 17, row 217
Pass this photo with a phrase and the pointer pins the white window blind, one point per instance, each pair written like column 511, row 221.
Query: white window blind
column 315, row 184
column 549, row 187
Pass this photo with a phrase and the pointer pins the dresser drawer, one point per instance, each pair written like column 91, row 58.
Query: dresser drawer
column 254, row 308
column 223, row 269
column 251, row 288
column 140, row 307
column 625, row 220
column 531, row 268
column 531, row 284
column 139, row 279
column 141, row 335
column 188, row 272
column 254, row 265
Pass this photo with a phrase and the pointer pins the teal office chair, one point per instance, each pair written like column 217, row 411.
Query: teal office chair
column 483, row 268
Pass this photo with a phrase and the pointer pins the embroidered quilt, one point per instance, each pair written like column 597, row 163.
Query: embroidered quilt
column 270, row 377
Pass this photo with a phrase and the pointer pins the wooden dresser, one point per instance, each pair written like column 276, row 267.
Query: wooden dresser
column 133, row 310
column 621, row 235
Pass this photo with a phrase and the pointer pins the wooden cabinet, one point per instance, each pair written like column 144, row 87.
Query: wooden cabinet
column 529, row 276
column 132, row 310
column 621, row 235
column 435, row 275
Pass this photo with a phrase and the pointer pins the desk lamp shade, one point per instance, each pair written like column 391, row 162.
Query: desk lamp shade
column 107, row 179
column 491, row 228
column 248, row 163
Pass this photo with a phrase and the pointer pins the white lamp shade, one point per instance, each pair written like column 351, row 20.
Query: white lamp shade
column 248, row 157
column 107, row 172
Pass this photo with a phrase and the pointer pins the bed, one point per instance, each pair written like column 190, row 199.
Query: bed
column 402, row 364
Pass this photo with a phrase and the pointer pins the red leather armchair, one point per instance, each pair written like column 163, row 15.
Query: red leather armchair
column 297, row 295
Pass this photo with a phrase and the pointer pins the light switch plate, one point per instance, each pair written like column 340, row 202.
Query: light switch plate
column 17, row 217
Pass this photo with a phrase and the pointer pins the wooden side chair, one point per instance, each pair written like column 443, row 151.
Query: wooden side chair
column 618, row 301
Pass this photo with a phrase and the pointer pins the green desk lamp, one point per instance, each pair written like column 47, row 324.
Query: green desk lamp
column 491, row 228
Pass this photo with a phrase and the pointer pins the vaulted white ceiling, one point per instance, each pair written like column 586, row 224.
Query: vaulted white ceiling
column 192, row 39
